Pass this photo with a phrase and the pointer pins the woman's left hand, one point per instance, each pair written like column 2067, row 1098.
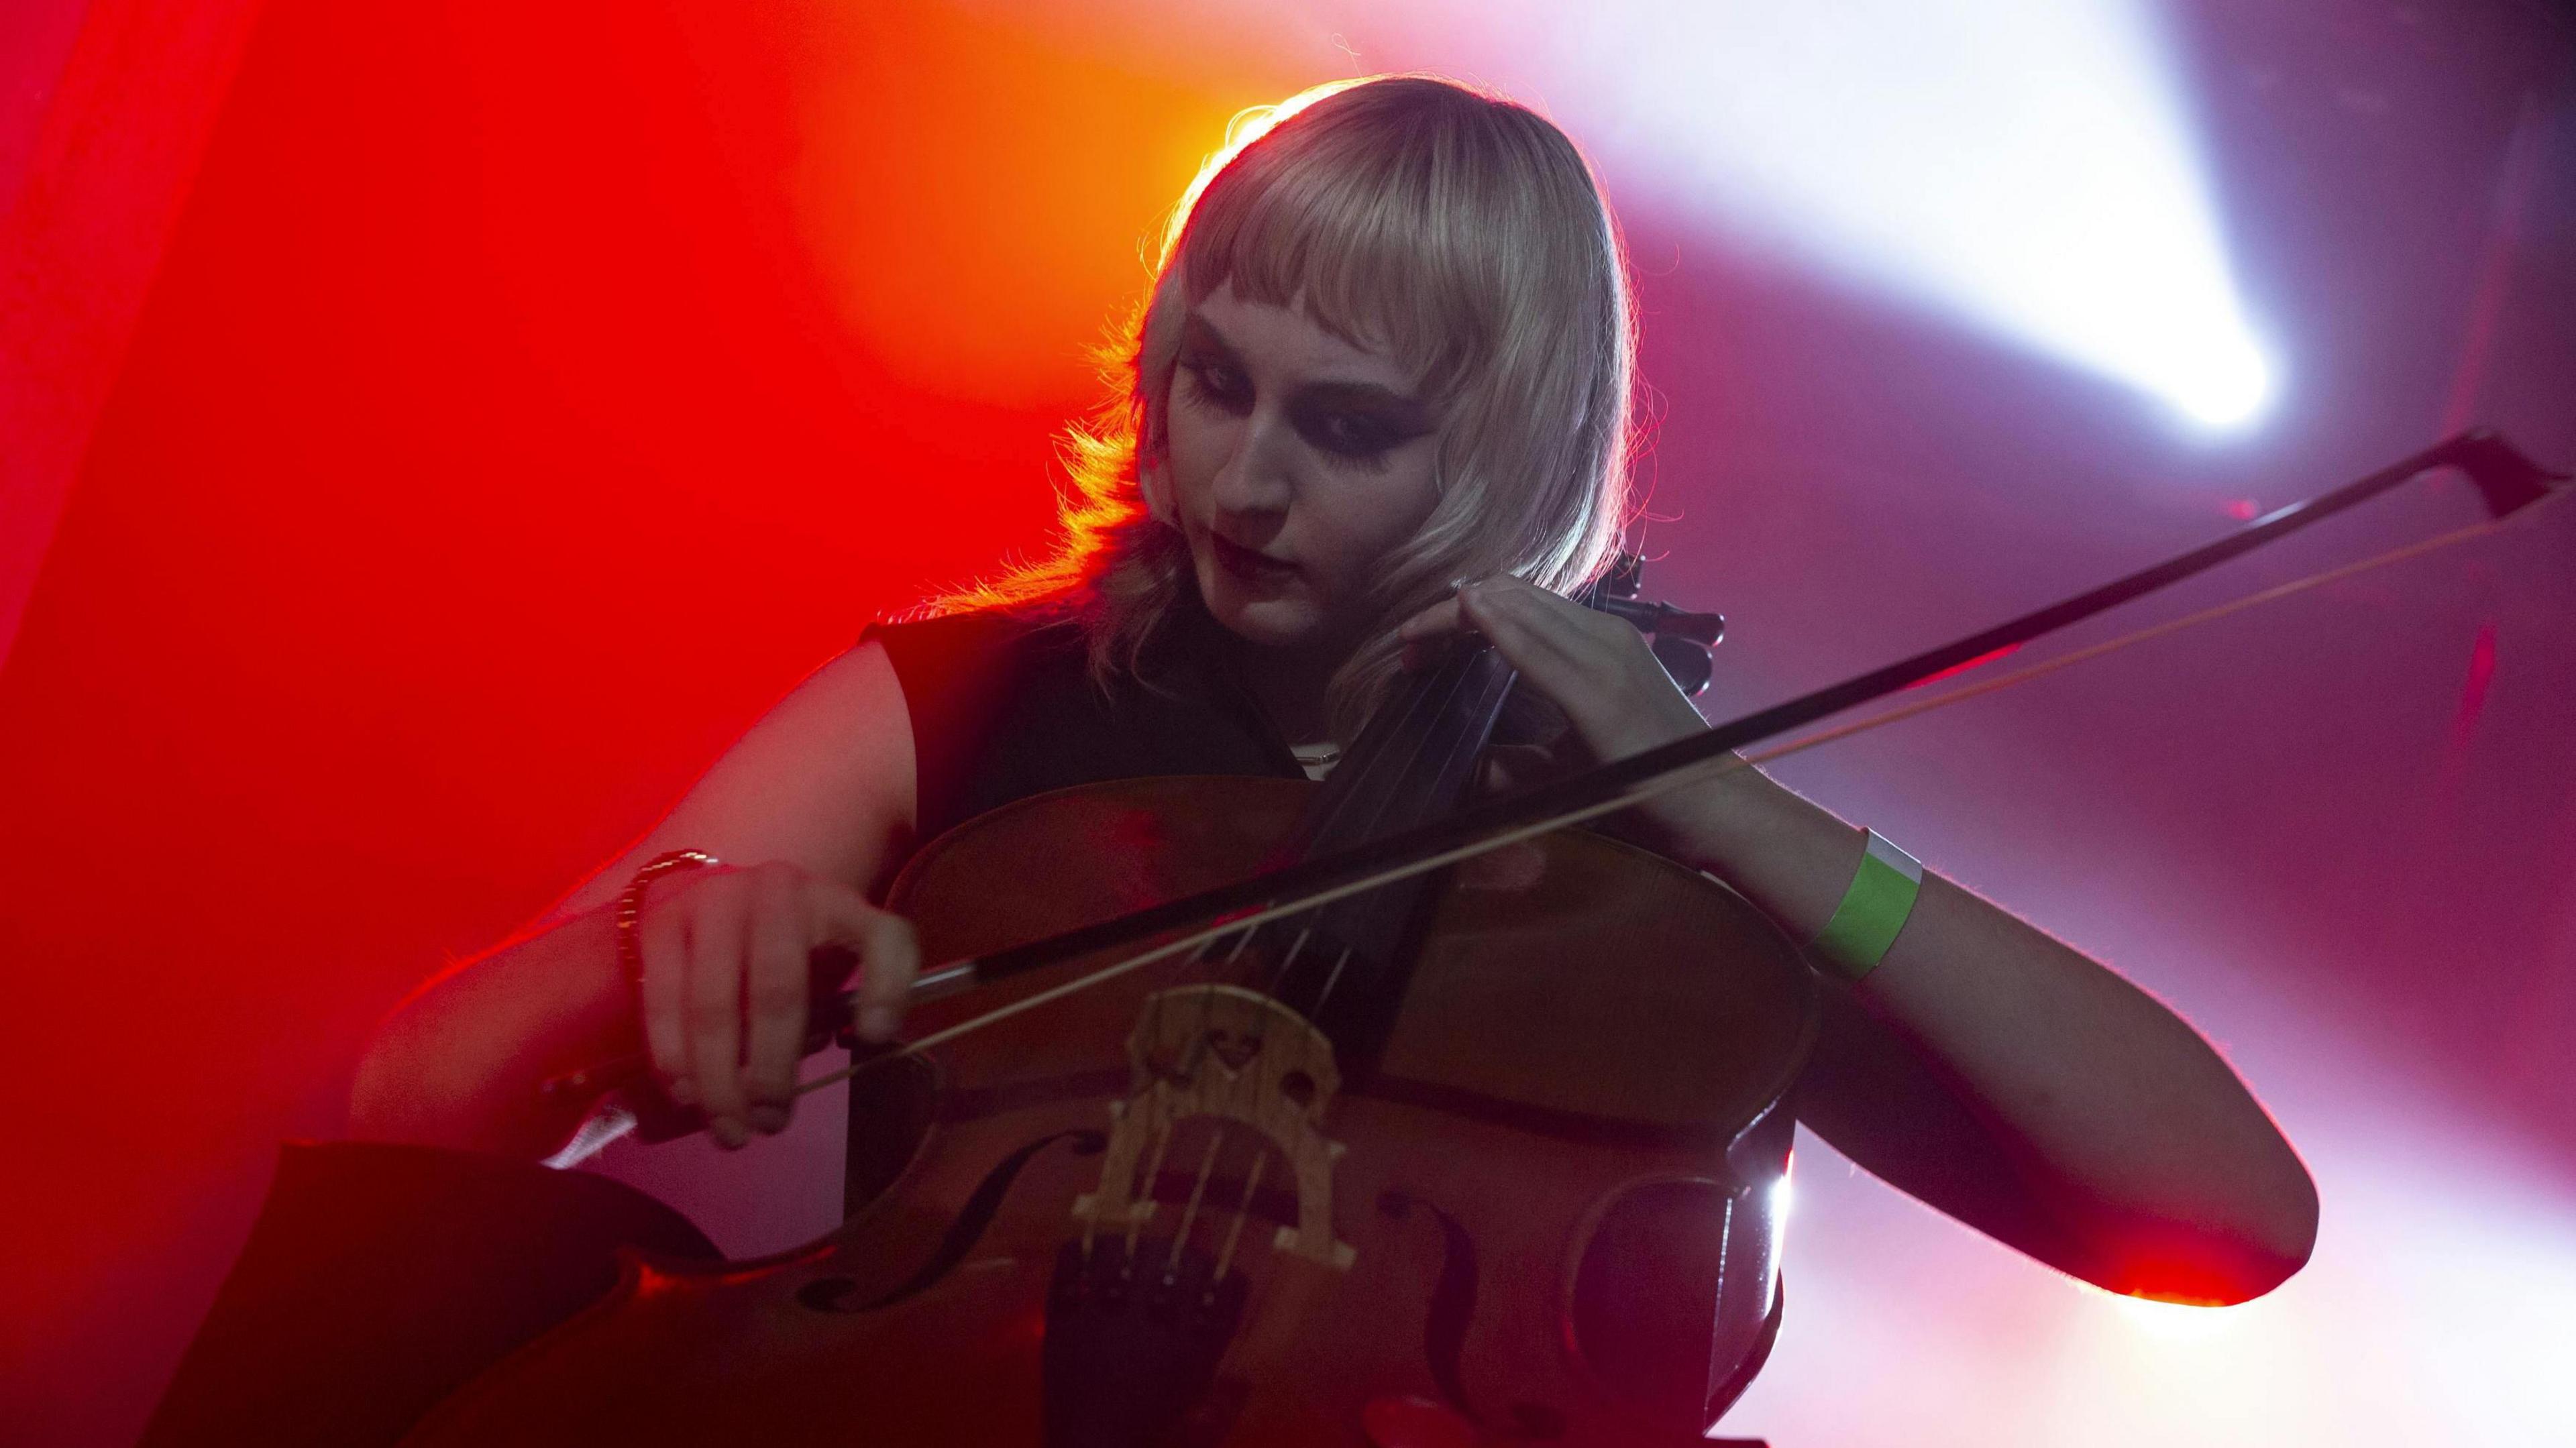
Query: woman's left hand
column 1593, row 666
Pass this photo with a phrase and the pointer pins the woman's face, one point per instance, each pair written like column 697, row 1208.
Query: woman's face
column 1296, row 462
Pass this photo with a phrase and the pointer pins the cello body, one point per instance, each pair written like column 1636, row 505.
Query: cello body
column 1541, row 1205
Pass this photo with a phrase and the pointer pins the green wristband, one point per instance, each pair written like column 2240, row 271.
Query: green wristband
column 1874, row 908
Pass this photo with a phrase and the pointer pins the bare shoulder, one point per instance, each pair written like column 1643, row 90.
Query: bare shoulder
column 824, row 780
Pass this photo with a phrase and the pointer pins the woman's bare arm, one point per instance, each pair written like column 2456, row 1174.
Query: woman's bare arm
column 2021, row 1086
column 819, row 795
column 1982, row 1066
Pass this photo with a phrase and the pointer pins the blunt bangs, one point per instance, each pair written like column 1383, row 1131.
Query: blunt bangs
column 1385, row 247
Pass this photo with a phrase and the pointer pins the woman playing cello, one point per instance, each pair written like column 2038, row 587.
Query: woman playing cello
column 1389, row 349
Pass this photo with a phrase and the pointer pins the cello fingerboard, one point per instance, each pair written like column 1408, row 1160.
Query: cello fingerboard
column 1414, row 762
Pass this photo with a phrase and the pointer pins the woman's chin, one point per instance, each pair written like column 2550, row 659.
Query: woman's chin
column 1271, row 620
column 1271, row 626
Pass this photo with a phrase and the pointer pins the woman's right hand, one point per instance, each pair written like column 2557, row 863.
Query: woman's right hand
column 727, row 984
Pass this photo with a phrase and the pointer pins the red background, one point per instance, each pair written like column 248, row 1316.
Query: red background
column 529, row 395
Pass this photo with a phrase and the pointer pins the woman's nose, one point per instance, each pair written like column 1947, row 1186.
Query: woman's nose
column 1258, row 478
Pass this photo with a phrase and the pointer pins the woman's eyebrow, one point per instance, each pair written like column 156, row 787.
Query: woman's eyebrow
column 1202, row 332
column 1198, row 331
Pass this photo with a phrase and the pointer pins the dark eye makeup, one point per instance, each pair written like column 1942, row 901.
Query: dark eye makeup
column 1356, row 423
column 1217, row 383
column 1344, row 432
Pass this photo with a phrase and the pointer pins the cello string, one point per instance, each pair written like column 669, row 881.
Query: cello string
column 1205, row 969
column 1207, row 994
column 1413, row 736
column 1153, row 1181
column 1384, row 800
column 1417, row 732
column 1344, row 790
column 1190, row 1213
column 1332, row 980
column 1242, row 1210
column 1154, row 1022
column 1450, row 761
column 1694, row 774
column 1296, row 948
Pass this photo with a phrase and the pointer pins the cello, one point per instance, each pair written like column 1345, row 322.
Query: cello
column 1489, row 1154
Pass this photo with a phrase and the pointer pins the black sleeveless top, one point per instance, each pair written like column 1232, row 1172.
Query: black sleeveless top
column 1004, row 706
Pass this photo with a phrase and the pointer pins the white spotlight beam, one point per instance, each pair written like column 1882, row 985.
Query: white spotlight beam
column 2024, row 165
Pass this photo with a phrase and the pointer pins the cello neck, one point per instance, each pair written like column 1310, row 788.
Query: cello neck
column 1414, row 762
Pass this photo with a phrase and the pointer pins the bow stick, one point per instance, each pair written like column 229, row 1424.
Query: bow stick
column 2506, row 480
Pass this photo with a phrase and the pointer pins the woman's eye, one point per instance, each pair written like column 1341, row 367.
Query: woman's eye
column 1350, row 435
column 1218, row 383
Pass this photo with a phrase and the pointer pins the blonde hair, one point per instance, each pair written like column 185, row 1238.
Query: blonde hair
column 1460, row 230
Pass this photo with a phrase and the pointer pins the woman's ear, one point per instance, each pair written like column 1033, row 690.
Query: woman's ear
column 1154, row 481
